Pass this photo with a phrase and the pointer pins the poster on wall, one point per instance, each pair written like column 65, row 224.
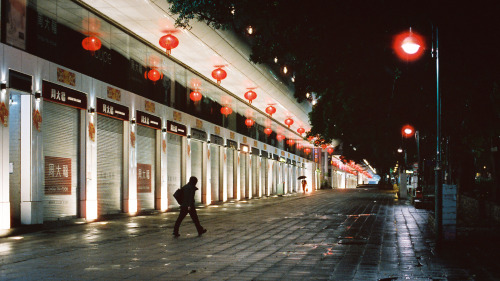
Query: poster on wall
column 57, row 176
column 143, row 178
column 15, row 25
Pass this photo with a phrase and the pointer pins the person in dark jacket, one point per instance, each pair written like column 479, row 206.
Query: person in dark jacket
column 187, row 206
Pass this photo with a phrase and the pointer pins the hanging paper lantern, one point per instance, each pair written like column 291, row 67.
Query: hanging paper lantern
column 195, row 96
column 300, row 130
column 250, row 96
column 330, row 150
column 290, row 142
column 91, row 44
column 219, row 74
column 280, row 137
column 153, row 75
column 270, row 110
column 268, row 131
column 323, row 146
column 310, row 138
column 249, row 122
column 169, row 42
column 307, row 150
column 289, row 122
column 226, row 110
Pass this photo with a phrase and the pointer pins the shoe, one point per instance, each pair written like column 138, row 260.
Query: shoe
column 176, row 234
column 200, row 233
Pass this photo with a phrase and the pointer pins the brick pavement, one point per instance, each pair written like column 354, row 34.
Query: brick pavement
column 329, row 235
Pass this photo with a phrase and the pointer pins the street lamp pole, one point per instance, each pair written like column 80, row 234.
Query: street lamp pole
column 438, row 170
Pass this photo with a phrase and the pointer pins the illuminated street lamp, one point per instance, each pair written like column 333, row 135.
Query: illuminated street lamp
column 410, row 46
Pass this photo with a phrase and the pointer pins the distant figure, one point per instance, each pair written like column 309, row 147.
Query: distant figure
column 187, row 206
column 304, row 185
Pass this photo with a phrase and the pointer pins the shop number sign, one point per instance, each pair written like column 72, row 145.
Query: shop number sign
column 57, row 176
column 144, row 178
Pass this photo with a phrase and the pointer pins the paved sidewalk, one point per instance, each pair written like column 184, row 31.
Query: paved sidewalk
column 362, row 234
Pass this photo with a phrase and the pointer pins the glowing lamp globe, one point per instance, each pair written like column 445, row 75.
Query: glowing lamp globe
column 268, row 131
column 169, row 42
column 249, row 122
column 270, row 110
column 407, row 131
column 195, row 96
column 408, row 45
column 219, row 74
column 91, row 44
column 250, row 96
column 226, row 110
column 301, row 130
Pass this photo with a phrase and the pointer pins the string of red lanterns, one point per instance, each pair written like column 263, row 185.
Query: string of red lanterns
column 226, row 110
column 219, row 74
column 169, row 42
column 249, row 122
column 250, row 96
column 270, row 110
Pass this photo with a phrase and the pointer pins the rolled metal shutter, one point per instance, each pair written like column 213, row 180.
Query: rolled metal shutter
column 61, row 149
column 146, row 144
column 255, row 178
column 174, row 146
column 214, row 172
column 15, row 158
column 243, row 175
column 196, row 166
column 109, row 165
column 230, row 174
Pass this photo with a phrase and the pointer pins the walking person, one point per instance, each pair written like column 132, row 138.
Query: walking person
column 187, row 206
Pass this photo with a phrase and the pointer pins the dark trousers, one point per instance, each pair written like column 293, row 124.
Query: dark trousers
column 194, row 217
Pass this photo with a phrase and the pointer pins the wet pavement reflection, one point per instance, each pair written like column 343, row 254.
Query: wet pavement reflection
column 326, row 235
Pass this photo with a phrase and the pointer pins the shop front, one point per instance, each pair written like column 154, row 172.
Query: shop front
column 176, row 134
column 147, row 129
column 255, row 164
column 110, row 156
column 216, row 172
column 196, row 146
column 264, row 172
column 63, row 110
column 232, row 169
column 244, row 172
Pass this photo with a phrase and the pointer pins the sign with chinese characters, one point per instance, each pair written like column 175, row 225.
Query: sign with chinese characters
column 176, row 128
column 59, row 94
column 57, row 176
column 294, row 162
column 198, row 134
column 199, row 124
column 264, row 154
column 216, row 140
column 150, row 106
column 112, row 109
column 217, row 130
column 244, row 139
column 276, row 157
column 231, row 144
column 148, row 120
column 255, row 151
column 288, row 161
column 144, row 178
column 177, row 116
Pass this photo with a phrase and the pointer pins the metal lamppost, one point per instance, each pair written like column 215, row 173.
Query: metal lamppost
column 410, row 46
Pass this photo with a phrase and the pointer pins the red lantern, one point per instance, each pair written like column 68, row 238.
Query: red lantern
column 307, row 150
column 270, row 110
column 195, row 96
column 408, row 131
column 310, row 138
column 330, row 150
column 169, row 42
column 323, row 146
column 249, row 122
column 289, row 122
column 153, row 75
column 280, row 137
column 91, row 44
column 290, row 142
column 268, row 131
column 250, row 96
column 226, row 110
column 300, row 131
column 219, row 74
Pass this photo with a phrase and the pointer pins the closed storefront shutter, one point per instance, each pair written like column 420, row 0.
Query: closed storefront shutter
column 146, row 144
column 243, row 175
column 255, row 178
column 109, row 165
column 15, row 158
column 174, row 145
column 196, row 166
column 214, row 172
column 230, row 174
column 61, row 147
